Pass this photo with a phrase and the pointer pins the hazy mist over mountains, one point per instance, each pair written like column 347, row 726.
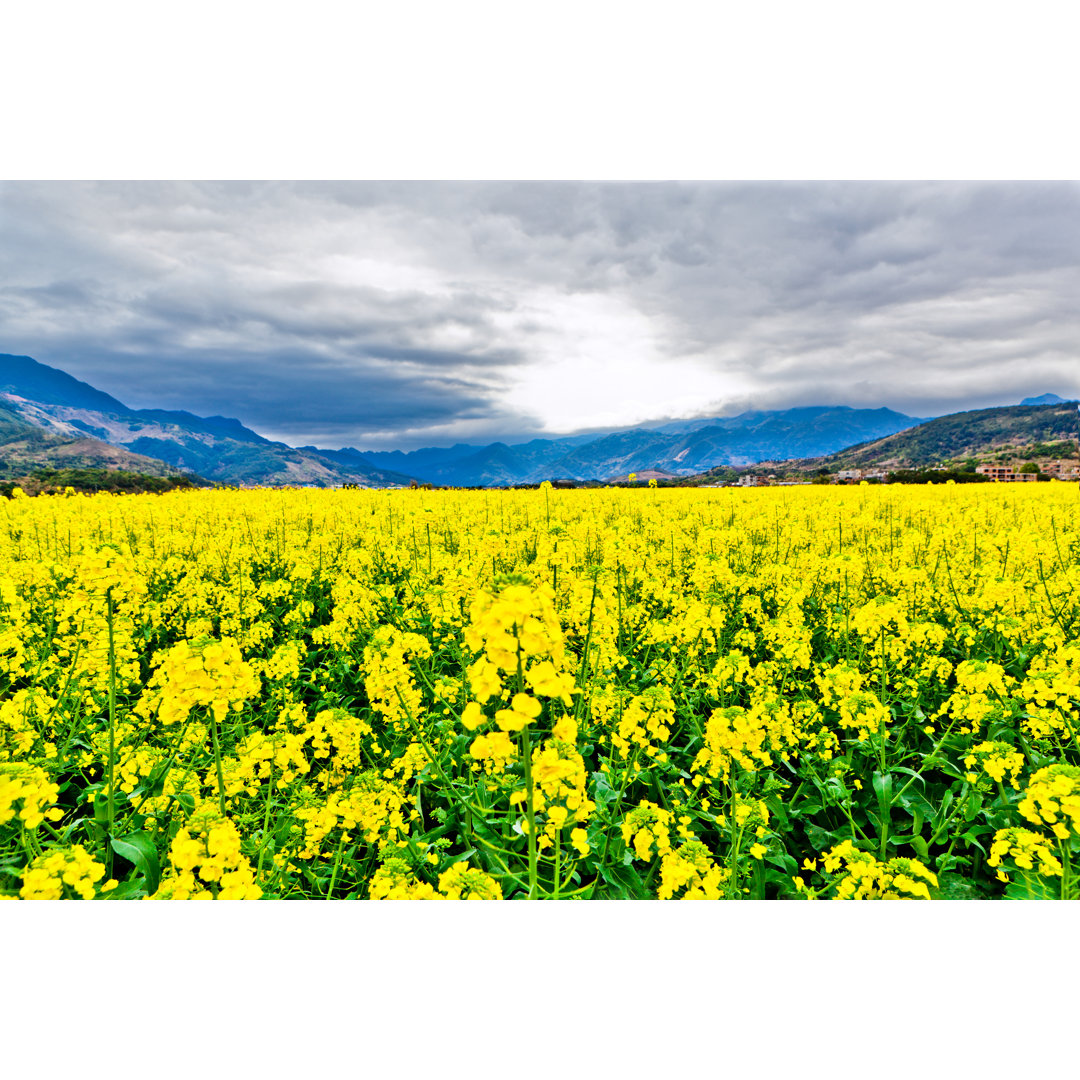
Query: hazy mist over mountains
column 682, row 448
column 77, row 417
column 218, row 448
column 223, row 449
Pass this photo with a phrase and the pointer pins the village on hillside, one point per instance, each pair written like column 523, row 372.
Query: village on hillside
column 1059, row 469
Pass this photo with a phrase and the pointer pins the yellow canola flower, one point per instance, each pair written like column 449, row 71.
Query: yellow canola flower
column 863, row 877
column 26, row 794
column 49, row 874
column 711, row 640
column 462, row 883
column 523, row 710
column 997, row 759
column 547, row 682
column 1027, row 849
column 496, row 747
column 472, row 716
column 1052, row 798
column 205, row 860
column 691, row 871
column 648, row 829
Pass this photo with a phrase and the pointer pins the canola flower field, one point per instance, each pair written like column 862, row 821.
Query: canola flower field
column 855, row 692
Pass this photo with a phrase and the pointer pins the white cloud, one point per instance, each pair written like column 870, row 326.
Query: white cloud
column 415, row 313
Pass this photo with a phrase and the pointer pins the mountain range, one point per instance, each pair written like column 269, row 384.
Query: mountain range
column 88, row 427
column 680, row 448
column 1047, row 430
column 48, row 417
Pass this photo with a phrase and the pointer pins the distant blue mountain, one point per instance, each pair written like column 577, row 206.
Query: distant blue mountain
column 24, row 376
column 682, row 447
column 1043, row 399
column 223, row 449
column 216, row 447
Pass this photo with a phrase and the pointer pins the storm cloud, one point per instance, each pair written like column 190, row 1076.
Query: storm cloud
column 406, row 314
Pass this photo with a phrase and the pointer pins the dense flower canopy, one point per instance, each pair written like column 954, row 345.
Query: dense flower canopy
column 865, row 692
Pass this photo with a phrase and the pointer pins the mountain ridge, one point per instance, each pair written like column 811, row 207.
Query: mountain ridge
column 682, row 447
column 217, row 448
column 961, row 438
column 68, row 412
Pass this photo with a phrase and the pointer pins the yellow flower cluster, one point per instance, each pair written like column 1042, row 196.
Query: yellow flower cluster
column 339, row 739
column 561, row 785
column 372, row 806
column 517, row 630
column 395, row 880
column 750, row 813
column 51, row 874
column 388, row 675
column 261, row 755
column 22, row 717
column 1051, row 693
column 26, row 793
column 689, row 873
column 648, row 829
column 734, row 735
column 863, row 877
column 462, row 883
column 996, row 759
column 1052, row 797
column 199, row 674
column 644, row 723
column 1025, row 848
column 207, row 862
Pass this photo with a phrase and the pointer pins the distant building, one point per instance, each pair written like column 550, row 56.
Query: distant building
column 996, row 472
column 1063, row 469
column 845, row 476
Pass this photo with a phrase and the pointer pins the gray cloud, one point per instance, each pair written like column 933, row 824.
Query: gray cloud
column 385, row 314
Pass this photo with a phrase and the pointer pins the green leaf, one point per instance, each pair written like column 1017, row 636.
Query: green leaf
column 820, row 839
column 910, row 772
column 972, row 837
column 626, row 882
column 883, row 787
column 138, row 848
column 784, row 861
column 956, row 887
column 1031, row 887
column 124, row 890
column 603, row 793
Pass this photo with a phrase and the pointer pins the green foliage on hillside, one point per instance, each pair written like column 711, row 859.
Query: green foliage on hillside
column 935, row 476
column 1064, row 449
column 56, row 481
column 14, row 428
column 969, row 435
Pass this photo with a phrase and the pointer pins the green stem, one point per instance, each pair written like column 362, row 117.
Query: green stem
column 217, row 761
column 334, row 872
column 160, row 778
column 617, row 804
column 526, row 753
column 111, row 804
column 557, row 836
column 266, row 821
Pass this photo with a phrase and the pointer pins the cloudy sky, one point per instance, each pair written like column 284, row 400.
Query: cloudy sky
column 383, row 315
